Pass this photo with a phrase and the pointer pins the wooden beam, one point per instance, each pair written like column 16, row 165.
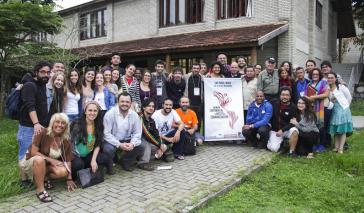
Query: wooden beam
column 168, row 62
column 253, row 55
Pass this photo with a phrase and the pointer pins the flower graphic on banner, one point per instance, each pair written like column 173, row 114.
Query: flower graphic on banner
column 224, row 100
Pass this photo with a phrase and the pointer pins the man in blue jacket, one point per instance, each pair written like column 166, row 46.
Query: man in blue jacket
column 257, row 127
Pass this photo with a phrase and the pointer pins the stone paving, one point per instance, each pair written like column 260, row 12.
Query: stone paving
column 197, row 178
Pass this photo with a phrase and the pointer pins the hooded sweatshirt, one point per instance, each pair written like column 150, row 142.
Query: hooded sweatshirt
column 33, row 98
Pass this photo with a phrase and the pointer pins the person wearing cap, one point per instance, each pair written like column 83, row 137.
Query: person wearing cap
column 115, row 63
column 268, row 80
column 123, row 131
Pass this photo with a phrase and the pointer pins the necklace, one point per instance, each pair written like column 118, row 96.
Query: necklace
column 90, row 139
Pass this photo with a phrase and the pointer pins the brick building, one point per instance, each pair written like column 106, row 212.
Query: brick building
column 184, row 31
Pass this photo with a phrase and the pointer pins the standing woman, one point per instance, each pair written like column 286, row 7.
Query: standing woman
column 341, row 123
column 115, row 77
column 87, row 135
column 316, row 91
column 50, row 156
column 113, row 88
column 103, row 96
column 288, row 67
column 58, row 93
column 130, row 85
column 88, row 86
column 146, row 87
column 73, row 103
column 216, row 70
column 308, row 132
column 285, row 80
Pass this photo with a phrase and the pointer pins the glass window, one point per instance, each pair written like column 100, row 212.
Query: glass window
column 174, row 12
column 233, row 8
column 92, row 24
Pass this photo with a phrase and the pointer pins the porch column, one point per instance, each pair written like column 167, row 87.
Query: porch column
column 168, row 63
column 253, row 55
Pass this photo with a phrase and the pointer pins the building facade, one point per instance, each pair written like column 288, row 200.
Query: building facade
column 185, row 31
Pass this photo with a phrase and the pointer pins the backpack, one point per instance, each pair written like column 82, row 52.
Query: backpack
column 13, row 103
column 189, row 145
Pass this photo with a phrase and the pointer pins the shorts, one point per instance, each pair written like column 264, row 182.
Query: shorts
column 25, row 138
column 287, row 134
column 27, row 166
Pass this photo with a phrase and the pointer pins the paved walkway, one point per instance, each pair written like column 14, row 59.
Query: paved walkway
column 214, row 168
column 358, row 122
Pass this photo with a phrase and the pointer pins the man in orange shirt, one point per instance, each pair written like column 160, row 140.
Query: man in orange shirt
column 189, row 119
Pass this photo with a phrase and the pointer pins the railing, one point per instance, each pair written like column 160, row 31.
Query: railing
column 356, row 72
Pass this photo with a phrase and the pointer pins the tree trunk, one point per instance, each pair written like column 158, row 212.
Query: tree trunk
column 3, row 82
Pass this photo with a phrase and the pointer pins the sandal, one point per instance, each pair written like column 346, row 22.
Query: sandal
column 161, row 151
column 310, row 155
column 180, row 157
column 48, row 185
column 44, row 197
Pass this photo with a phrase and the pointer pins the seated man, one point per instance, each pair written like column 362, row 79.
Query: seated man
column 123, row 131
column 151, row 141
column 283, row 112
column 257, row 127
column 189, row 119
column 170, row 127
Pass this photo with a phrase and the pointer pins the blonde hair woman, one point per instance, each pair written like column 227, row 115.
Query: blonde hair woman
column 50, row 156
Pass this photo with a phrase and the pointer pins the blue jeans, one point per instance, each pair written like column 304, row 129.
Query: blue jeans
column 72, row 117
column 25, row 138
column 177, row 147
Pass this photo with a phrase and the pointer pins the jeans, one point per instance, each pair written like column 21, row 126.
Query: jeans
column 251, row 135
column 79, row 163
column 72, row 117
column 177, row 147
column 306, row 141
column 128, row 158
column 25, row 138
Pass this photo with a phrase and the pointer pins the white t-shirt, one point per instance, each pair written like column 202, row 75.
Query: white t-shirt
column 100, row 99
column 71, row 105
column 164, row 122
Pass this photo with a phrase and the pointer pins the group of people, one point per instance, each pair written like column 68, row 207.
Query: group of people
column 70, row 121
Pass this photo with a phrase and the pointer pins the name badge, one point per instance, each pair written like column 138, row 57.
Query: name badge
column 302, row 94
column 159, row 91
column 196, row 91
column 263, row 112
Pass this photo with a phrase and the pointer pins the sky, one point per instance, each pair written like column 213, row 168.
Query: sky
column 69, row 3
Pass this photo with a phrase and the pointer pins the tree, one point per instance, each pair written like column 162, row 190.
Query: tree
column 358, row 7
column 19, row 20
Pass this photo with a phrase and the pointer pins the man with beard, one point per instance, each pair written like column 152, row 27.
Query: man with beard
column 159, row 78
column 301, row 84
column 33, row 111
column 123, row 131
column 257, row 121
column 176, row 86
column 170, row 127
column 193, row 91
column 190, row 120
column 115, row 63
column 222, row 58
column 268, row 80
column 283, row 113
column 242, row 65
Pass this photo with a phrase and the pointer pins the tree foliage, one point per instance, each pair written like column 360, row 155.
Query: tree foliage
column 358, row 7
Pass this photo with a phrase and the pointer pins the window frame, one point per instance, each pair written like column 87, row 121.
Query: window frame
column 193, row 12
column 228, row 9
column 318, row 14
column 92, row 26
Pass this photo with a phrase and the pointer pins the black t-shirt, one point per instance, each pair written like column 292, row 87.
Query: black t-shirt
column 194, row 81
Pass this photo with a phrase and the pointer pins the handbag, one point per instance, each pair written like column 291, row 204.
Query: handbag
column 189, row 145
column 87, row 178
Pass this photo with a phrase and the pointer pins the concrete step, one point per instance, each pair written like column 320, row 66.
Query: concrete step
column 358, row 122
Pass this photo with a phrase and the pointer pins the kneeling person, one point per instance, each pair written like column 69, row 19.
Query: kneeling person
column 123, row 131
column 257, row 127
column 151, row 140
column 170, row 127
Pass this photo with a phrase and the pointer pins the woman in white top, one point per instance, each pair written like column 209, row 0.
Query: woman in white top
column 88, row 86
column 341, row 122
column 103, row 96
column 73, row 105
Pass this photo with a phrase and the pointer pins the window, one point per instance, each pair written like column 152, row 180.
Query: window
column 39, row 37
column 318, row 14
column 92, row 24
column 233, row 8
column 174, row 12
column 184, row 63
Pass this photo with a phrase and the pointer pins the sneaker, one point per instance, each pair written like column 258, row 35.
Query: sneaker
column 168, row 157
column 146, row 166
column 110, row 170
column 128, row 168
column 292, row 154
column 26, row 184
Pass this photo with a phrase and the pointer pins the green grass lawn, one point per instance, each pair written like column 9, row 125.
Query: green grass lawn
column 9, row 173
column 357, row 107
column 328, row 183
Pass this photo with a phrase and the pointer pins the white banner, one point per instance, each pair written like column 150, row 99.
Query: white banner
column 224, row 111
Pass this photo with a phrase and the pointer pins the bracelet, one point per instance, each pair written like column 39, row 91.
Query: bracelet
column 36, row 123
column 69, row 179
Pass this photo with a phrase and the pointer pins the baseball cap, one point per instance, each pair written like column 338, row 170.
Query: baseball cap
column 271, row 60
